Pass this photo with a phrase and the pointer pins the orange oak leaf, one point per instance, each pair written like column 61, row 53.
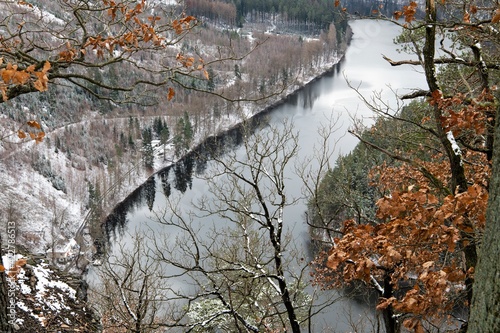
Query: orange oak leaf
column 171, row 93
column 385, row 302
column 466, row 17
column 39, row 137
column 410, row 11
column 21, row 134
column 496, row 16
column 35, row 124
column 24, row 3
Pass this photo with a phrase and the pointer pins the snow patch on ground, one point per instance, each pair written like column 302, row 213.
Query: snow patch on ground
column 41, row 297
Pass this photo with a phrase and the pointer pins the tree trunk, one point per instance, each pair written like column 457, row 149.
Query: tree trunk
column 390, row 323
column 485, row 308
column 458, row 180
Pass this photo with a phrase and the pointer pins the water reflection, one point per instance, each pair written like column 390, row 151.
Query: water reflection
column 183, row 174
column 165, row 184
column 149, row 192
column 178, row 176
column 305, row 99
column 309, row 94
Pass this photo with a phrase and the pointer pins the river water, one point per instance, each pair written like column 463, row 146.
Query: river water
column 327, row 98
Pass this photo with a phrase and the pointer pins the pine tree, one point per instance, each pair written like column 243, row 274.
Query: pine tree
column 183, row 135
column 147, row 148
column 95, row 201
column 211, row 79
column 158, row 126
column 179, row 144
column 164, row 136
column 188, row 131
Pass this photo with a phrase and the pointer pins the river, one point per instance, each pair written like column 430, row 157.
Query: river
column 327, row 98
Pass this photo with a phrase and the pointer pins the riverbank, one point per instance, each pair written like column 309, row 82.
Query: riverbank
column 54, row 184
column 229, row 127
column 95, row 243
column 46, row 187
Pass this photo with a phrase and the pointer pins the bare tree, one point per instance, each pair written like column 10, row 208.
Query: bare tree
column 244, row 264
column 231, row 262
column 38, row 48
column 126, row 290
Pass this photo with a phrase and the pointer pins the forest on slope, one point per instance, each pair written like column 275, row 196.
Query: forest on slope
column 406, row 214
column 94, row 141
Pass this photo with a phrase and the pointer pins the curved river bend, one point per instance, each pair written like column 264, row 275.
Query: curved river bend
column 327, row 98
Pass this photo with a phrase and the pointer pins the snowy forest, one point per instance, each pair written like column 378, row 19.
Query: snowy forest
column 99, row 97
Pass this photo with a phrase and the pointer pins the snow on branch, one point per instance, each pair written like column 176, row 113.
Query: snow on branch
column 454, row 145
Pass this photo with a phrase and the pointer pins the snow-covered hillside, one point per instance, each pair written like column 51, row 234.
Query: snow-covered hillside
column 89, row 150
column 45, row 191
column 46, row 298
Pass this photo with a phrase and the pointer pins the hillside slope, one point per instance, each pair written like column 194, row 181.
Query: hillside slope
column 54, row 194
